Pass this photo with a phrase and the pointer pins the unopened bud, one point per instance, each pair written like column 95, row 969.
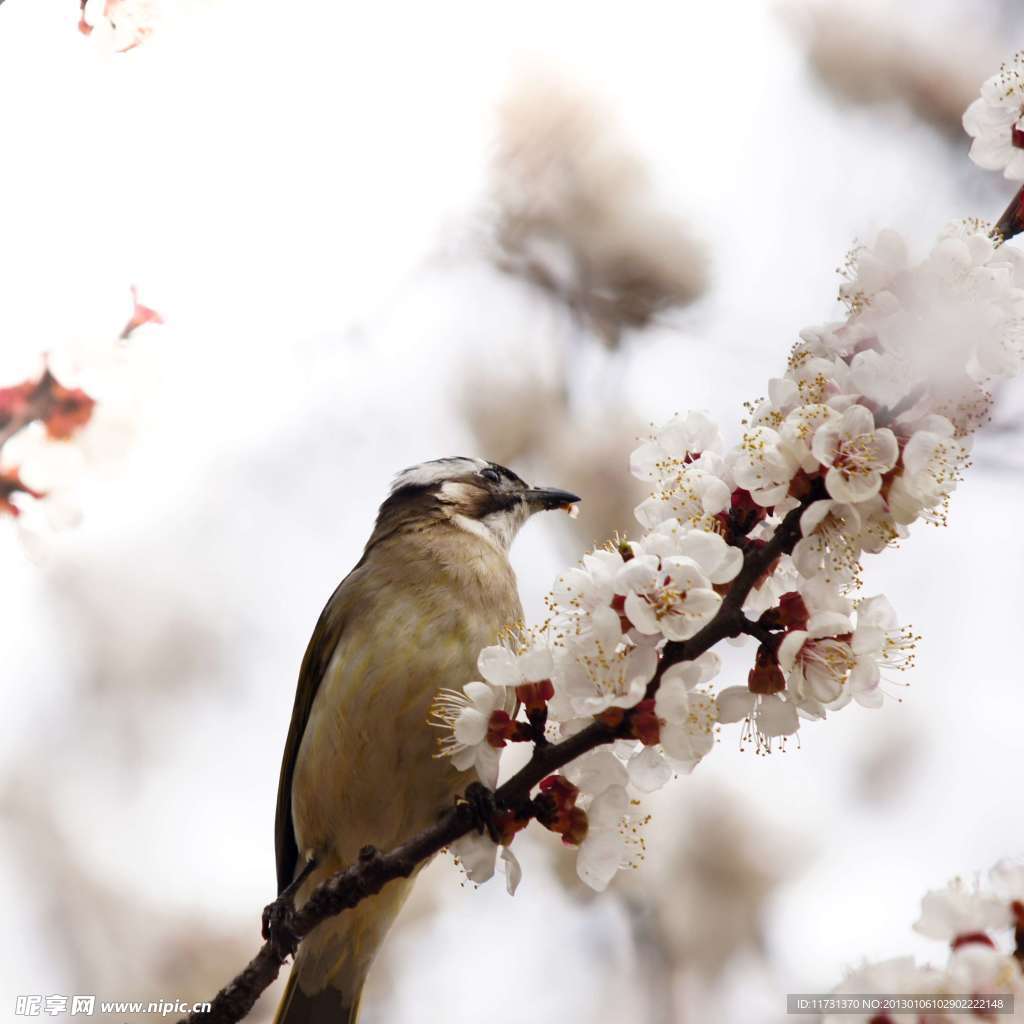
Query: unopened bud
column 534, row 696
column 501, row 728
column 766, row 676
column 790, row 613
column 577, row 827
column 644, row 724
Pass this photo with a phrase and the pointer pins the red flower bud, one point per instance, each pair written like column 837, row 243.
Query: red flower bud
column 766, row 676
column 560, row 789
column 500, row 728
column 534, row 696
column 790, row 613
column 508, row 824
column 557, row 807
column 576, row 828
column 619, row 605
column 744, row 512
column 644, row 724
column 801, row 484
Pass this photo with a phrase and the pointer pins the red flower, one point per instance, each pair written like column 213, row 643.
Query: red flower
column 140, row 315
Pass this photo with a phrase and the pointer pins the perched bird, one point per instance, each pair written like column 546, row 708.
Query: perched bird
column 434, row 586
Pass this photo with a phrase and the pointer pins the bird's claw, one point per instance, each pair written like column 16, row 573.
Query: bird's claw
column 278, row 925
column 483, row 808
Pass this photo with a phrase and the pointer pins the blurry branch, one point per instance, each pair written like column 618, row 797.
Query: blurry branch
column 501, row 812
column 876, row 55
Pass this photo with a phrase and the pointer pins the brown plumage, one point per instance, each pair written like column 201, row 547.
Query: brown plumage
column 433, row 587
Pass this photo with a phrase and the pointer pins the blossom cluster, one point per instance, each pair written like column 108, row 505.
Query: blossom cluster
column 983, row 925
column 867, row 432
column 71, row 410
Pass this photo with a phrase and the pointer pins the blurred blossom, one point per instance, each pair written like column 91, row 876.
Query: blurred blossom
column 886, row 765
column 878, row 52
column 119, row 25
column 575, row 214
column 73, row 416
column 977, row 921
column 511, row 410
column 712, row 895
column 591, row 461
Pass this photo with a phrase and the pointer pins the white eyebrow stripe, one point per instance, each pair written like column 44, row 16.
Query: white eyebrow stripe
column 436, row 471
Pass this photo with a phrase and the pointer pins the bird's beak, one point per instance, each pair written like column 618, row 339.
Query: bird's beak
column 548, row 498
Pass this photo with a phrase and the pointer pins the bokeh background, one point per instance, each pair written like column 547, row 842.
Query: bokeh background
column 386, row 233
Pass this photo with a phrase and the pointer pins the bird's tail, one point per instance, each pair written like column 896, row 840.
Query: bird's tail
column 326, row 980
column 328, row 1006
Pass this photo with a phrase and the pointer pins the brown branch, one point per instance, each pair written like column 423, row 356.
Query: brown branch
column 374, row 869
column 1011, row 223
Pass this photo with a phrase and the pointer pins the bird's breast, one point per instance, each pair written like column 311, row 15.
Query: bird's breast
column 365, row 771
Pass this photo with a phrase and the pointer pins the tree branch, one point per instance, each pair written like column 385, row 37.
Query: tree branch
column 374, row 869
column 1011, row 223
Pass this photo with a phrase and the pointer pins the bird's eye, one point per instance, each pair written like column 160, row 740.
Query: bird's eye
column 491, row 474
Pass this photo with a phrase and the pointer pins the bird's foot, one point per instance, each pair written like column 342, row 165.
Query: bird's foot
column 483, row 808
column 279, row 925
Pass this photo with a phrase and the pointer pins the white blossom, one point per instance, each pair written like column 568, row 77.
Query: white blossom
column 856, row 454
column 960, row 910
column 995, row 121
column 767, row 717
column 602, row 669
column 762, row 466
column 670, row 596
column 674, row 446
column 477, row 854
column 687, row 717
column 465, row 717
column 604, row 850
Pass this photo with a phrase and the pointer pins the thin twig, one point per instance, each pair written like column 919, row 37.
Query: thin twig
column 1011, row 223
column 374, row 870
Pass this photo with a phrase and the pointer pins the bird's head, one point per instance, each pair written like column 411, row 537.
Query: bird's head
column 478, row 496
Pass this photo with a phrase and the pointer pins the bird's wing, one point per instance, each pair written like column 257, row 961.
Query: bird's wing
column 318, row 654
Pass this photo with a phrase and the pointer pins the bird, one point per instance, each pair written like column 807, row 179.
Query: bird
column 434, row 586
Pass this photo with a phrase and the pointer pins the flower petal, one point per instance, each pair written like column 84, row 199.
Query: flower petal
column 498, row 665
